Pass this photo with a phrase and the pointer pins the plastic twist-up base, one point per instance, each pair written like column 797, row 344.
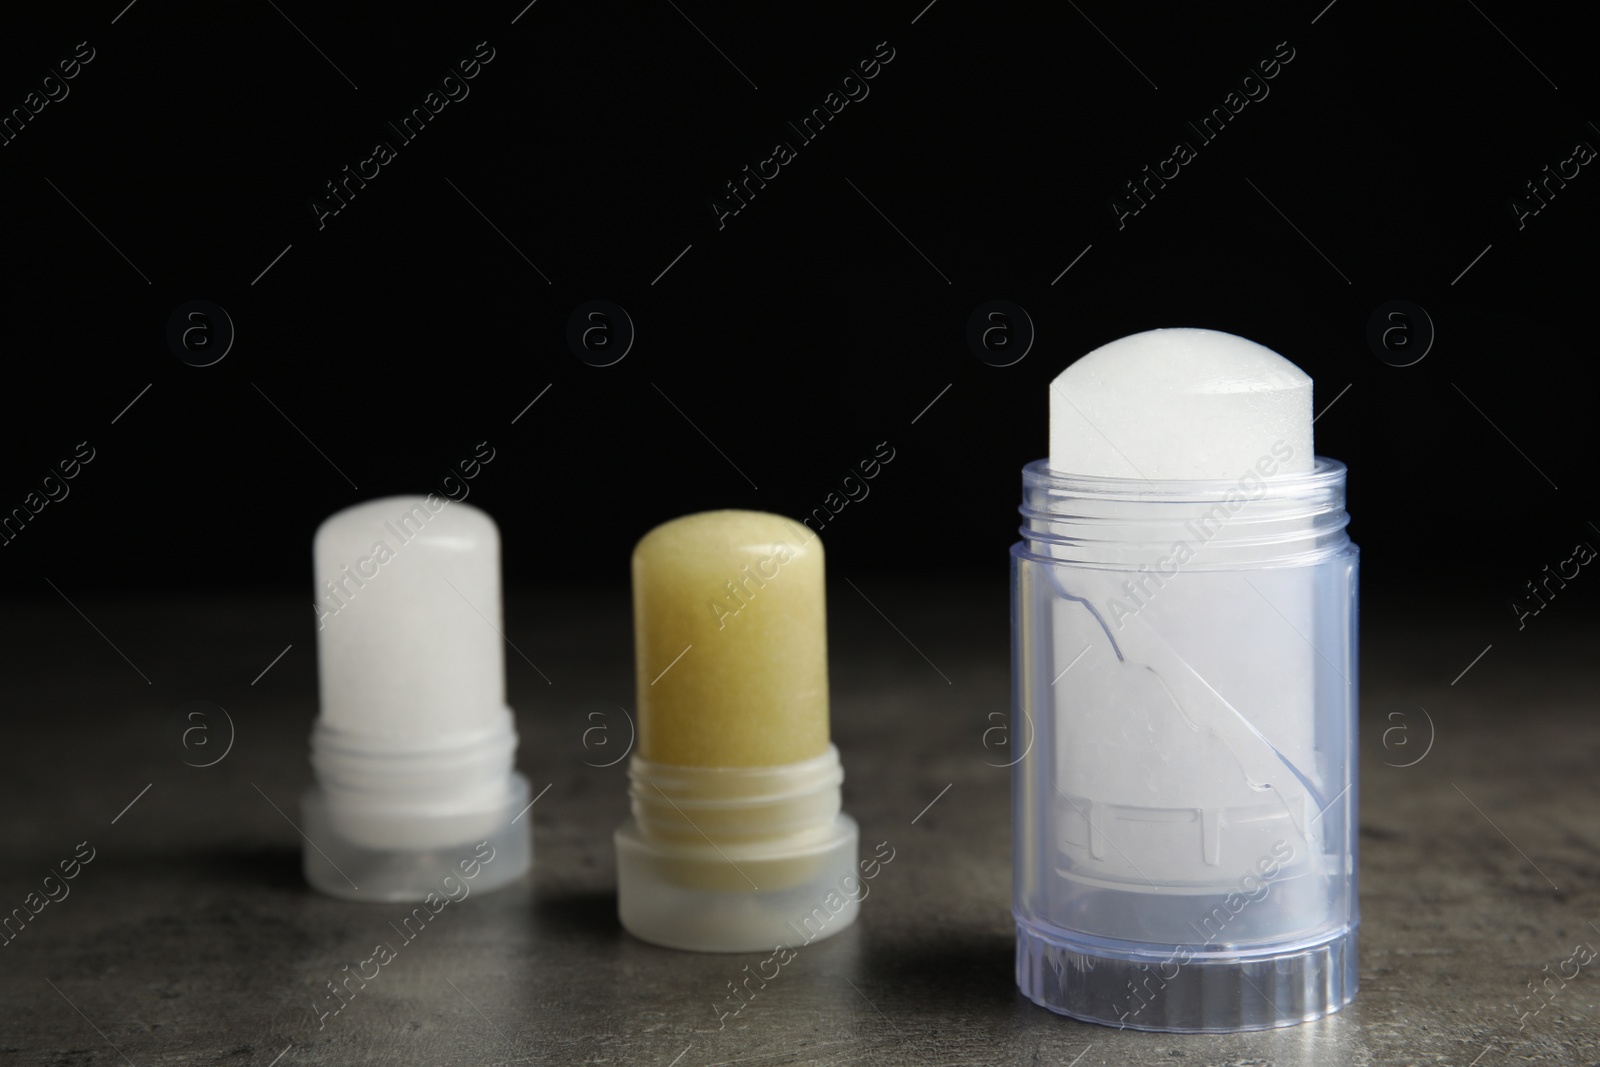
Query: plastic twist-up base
column 492, row 851
column 701, row 900
column 1148, row 987
column 737, row 859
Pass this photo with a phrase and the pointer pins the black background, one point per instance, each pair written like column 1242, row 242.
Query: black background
column 808, row 329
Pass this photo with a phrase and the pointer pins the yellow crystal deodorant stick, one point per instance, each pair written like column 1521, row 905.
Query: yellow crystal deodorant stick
column 737, row 842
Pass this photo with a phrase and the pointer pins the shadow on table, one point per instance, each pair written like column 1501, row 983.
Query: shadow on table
column 270, row 867
column 949, row 972
column 590, row 916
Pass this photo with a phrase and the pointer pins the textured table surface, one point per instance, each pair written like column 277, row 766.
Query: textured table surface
column 191, row 938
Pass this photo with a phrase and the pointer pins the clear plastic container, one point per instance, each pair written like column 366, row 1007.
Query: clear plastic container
column 737, row 859
column 1185, row 691
column 481, row 850
column 390, row 816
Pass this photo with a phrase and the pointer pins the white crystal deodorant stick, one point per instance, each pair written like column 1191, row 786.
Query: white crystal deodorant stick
column 414, row 748
column 1185, row 620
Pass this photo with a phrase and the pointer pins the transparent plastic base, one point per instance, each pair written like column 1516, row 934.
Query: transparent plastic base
column 493, row 851
column 725, row 901
column 1180, row 990
column 1185, row 673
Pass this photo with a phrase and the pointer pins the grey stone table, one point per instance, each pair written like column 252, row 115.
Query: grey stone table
column 191, row 938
